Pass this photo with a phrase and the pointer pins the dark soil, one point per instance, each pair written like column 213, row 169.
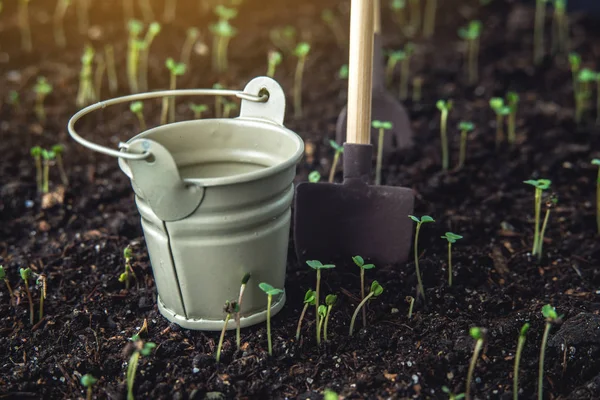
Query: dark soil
column 78, row 243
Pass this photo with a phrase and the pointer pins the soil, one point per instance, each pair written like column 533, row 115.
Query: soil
column 78, row 242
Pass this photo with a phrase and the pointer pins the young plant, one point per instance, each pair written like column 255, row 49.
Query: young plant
column 596, row 162
column 382, row 126
column 583, row 95
column 59, row 16
column 550, row 204
column 465, row 127
column 218, row 101
column 141, row 349
column 451, row 238
column 86, row 94
column 88, row 382
column 417, row 83
column 540, row 185
column 48, row 156
column 58, row 150
column 274, row 59
column 198, row 109
column 284, row 38
column 270, row 291
column 429, row 20
column 230, row 308
column 42, row 89
column 479, row 335
column 335, row 26
column 330, row 301
column 520, row 346
column 358, row 260
column 411, row 304
column 42, row 284
column 144, row 51
column 597, row 98
column 238, row 315
column 23, row 22
column 301, row 52
column 128, row 273
column 424, row 219
column 137, row 108
column 322, row 312
column 471, row 34
column 192, row 35
column 99, row 75
column 3, row 277
column 338, row 150
column 228, row 107
column 452, row 396
column 403, row 57
column 14, row 100
column 343, row 72
column 398, row 8
column 512, row 100
column 444, row 107
column 314, row 177
column 497, row 104
column 26, row 275
column 318, row 266
column 36, row 153
column 551, row 317
column 376, row 291
column 223, row 32
column 135, row 28
column 168, row 104
column 538, row 33
column 309, row 300
column 111, row 69
column 560, row 27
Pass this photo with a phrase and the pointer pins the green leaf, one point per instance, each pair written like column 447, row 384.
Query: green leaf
column 338, row 148
column 127, row 252
column 358, row 260
column 542, row 184
column 36, row 151
column 135, row 27
column 322, row 310
column 596, row 161
column 270, row 290
column 451, row 237
column 302, row 49
column 368, row 266
column 154, row 29
column 512, row 98
column 123, row 277
column 25, row 273
column 496, row 103
column 136, row 107
column 524, row 329
column 88, row 380
column 275, row 58
column 387, row 125
column 246, row 278
column 574, row 60
column 58, row 149
column 376, row 289
column 314, row 177
column 309, row 297
column 314, row 264
column 48, row 155
column 416, row 219
column 396, row 56
column 330, row 395
column 504, row 110
column 476, row 333
column 586, row 75
column 198, row 108
column 376, row 124
column 343, row 73
column 192, row 33
column 426, row 218
column 147, row 349
column 466, row 126
column 2, row 273
column 225, row 13
column 330, row 299
column 549, row 313
column 42, row 86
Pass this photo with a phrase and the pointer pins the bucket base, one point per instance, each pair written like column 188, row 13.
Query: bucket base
column 215, row 325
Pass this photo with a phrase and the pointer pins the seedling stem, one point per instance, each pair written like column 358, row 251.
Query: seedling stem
column 238, row 314
column 230, row 308
column 26, row 275
column 358, row 260
column 48, row 156
column 444, row 107
column 596, row 161
column 451, row 238
column 540, row 185
column 334, row 25
column 551, row 317
column 538, row 34
column 411, row 302
column 318, row 266
column 382, row 126
column 464, row 127
column 429, row 23
column 479, row 335
column 190, row 39
column 137, row 108
column 85, row 94
column 330, row 302
column 141, row 349
column 58, row 150
column 424, row 219
column 88, row 381
column 198, row 109
column 497, row 104
column 520, row 346
column 42, row 284
column 175, row 69
column 274, row 59
column 301, row 52
column 144, row 51
column 270, row 291
column 11, row 294
column 36, row 153
column 42, row 89
column 111, row 69
column 59, row 16
column 309, row 300
column 336, row 158
column 376, row 290
column 512, row 99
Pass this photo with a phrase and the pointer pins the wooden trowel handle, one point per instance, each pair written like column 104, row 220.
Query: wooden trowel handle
column 360, row 74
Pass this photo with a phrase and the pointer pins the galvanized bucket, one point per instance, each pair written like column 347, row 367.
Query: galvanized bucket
column 214, row 196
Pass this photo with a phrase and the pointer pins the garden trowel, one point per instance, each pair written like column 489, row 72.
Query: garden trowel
column 337, row 221
column 385, row 107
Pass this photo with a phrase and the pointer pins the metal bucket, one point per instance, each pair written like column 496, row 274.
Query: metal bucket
column 214, row 196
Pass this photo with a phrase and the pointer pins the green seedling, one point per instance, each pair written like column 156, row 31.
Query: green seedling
column 575, row 65
column 358, row 260
column 479, row 335
column 144, row 51
column 596, row 162
column 429, row 20
column 376, row 291
column 382, row 126
column 301, row 52
column 314, row 177
column 175, row 70
column 42, row 284
column 135, row 28
column 88, row 382
column 274, row 59
column 332, row 21
column 404, row 57
column 330, row 395
column 137, row 108
column 59, row 16
column 141, row 349
column 452, row 396
column 225, row 13
column 230, row 308
column 14, row 99
column 417, row 83
column 501, row 110
column 444, row 107
column 86, row 94
column 338, row 150
column 223, row 32
column 36, row 153
column 411, row 304
column 146, row 9
column 540, row 185
column 550, row 203
column 318, row 266
column 398, row 8
column 322, row 312
column 415, row 15
column 48, row 156
column 128, row 273
column 270, row 291
column 284, row 38
column 551, row 317
column 42, row 89
column 451, row 238
column 464, row 127
column 26, row 275
column 343, row 72
column 394, row 57
column 238, row 314
column 597, row 98
column 585, row 78
column 330, row 301
column 198, row 109
column 23, row 22
column 3, row 277
column 228, row 107
column 170, row 10
column 424, row 219
column 192, row 35
column 218, row 101
column 520, row 346
column 471, row 34
column 560, row 27
column 512, row 100
column 538, row 33
column 99, row 75
column 309, row 300
column 58, row 150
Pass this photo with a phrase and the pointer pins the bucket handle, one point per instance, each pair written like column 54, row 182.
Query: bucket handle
column 262, row 82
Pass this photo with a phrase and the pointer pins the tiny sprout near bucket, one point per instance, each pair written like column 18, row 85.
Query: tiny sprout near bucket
column 214, row 196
